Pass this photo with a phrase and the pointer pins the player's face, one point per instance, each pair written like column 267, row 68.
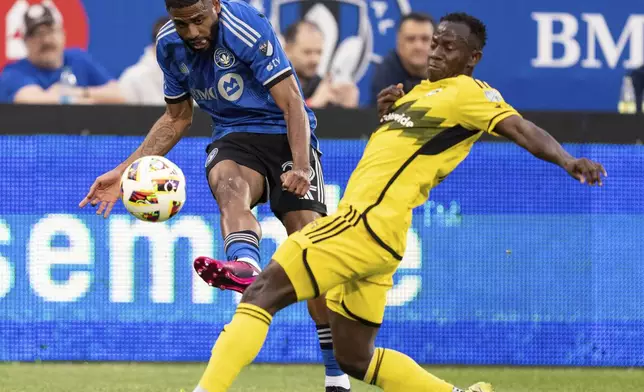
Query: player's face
column 413, row 43
column 45, row 46
column 451, row 53
column 306, row 51
column 195, row 24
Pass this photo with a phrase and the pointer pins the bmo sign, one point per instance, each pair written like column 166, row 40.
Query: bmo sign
column 599, row 47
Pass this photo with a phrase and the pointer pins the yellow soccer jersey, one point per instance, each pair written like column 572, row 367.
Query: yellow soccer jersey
column 423, row 139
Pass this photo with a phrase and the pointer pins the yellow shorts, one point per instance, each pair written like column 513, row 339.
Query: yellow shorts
column 336, row 255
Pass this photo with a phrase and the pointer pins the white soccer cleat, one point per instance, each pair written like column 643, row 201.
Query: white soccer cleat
column 480, row 387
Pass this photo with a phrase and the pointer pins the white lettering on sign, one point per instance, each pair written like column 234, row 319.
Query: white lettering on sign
column 598, row 36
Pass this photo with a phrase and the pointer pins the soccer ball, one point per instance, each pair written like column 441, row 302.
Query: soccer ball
column 153, row 189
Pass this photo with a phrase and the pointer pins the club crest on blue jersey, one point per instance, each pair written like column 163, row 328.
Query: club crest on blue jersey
column 224, row 58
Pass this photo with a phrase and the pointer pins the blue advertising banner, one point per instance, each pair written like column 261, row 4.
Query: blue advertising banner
column 509, row 262
column 550, row 54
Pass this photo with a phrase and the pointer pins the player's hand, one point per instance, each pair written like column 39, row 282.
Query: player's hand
column 105, row 192
column 388, row 96
column 586, row 171
column 296, row 181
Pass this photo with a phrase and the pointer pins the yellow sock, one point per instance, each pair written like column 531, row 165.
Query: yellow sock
column 395, row 372
column 237, row 346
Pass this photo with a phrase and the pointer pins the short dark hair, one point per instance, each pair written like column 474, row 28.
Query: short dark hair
column 157, row 26
column 477, row 28
column 290, row 35
column 419, row 17
column 180, row 3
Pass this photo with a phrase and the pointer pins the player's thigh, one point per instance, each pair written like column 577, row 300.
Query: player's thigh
column 353, row 342
column 272, row 290
column 296, row 220
column 235, row 174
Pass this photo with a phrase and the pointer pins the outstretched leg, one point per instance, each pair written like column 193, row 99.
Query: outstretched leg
column 354, row 336
column 236, row 188
column 242, row 338
column 290, row 277
column 387, row 369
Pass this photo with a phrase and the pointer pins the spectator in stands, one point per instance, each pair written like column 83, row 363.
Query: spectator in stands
column 637, row 76
column 37, row 79
column 142, row 83
column 303, row 46
column 407, row 64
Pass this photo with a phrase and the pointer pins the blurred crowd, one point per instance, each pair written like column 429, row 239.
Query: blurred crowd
column 52, row 74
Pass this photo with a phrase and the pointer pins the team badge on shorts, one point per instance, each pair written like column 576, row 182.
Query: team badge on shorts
column 224, row 59
column 211, row 156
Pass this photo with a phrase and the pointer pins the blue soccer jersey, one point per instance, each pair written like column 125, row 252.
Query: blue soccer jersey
column 230, row 81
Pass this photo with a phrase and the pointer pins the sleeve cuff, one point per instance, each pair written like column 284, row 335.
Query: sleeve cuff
column 500, row 117
column 177, row 99
column 278, row 77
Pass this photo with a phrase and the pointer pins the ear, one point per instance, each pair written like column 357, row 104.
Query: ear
column 216, row 6
column 474, row 58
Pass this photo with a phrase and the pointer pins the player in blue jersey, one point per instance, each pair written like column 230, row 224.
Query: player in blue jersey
column 224, row 55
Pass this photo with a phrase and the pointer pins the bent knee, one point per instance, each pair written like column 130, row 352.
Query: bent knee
column 271, row 290
column 227, row 187
column 256, row 290
column 353, row 361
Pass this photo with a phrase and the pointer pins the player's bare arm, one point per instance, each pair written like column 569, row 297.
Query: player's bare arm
column 164, row 135
column 287, row 96
column 542, row 145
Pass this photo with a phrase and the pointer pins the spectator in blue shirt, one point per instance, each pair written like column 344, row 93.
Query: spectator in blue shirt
column 36, row 79
column 407, row 64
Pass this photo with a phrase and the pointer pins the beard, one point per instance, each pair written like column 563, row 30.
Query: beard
column 203, row 44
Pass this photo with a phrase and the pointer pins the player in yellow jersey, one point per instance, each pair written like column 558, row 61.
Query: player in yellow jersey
column 352, row 255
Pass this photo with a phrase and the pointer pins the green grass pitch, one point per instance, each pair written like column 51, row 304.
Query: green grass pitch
column 136, row 377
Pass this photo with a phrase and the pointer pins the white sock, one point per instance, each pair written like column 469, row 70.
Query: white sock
column 252, row 262
column 337, row 381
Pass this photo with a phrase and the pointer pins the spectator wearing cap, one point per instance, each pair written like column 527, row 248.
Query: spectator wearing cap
column 142, row 83
column 36, row 79
column 407, row 64
column 303, row 46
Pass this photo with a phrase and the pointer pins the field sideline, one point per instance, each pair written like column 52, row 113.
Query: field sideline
column 137, row 377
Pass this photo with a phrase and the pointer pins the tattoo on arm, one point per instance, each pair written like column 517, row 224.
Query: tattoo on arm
column 165, row 133
column 161, row 138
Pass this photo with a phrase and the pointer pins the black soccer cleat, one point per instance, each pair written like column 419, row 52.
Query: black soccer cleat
column 337, row 389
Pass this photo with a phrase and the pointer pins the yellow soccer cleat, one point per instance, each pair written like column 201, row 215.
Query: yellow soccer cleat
column 480, row 387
